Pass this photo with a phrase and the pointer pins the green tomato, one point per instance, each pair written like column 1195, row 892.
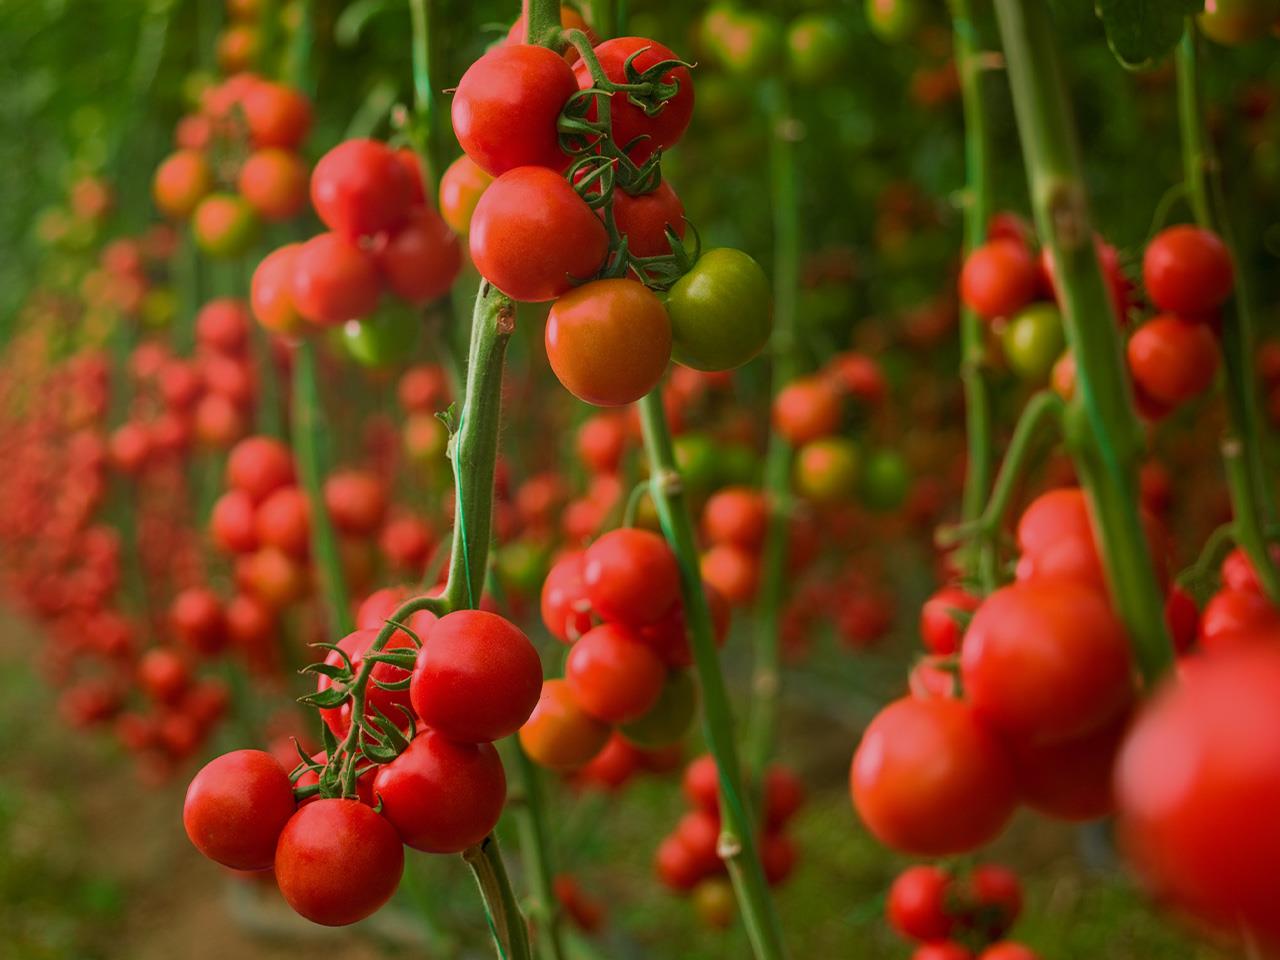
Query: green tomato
column 884, row 480
column 1235, row 22
column 1033, row 341
column 894, row 21
column 721, row 311
column 816, row 49
column 384, row 339
column 521, row 567
column 827, row 470
column 670, row 718
column 159, row 307
column 698, row 458
column 744, row 41
column 224, row 225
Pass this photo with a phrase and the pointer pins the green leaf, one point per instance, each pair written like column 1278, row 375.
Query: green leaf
column 1140, row 32
column 325, row 699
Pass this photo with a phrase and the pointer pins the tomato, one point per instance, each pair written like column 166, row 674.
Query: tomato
column 1187, row 270
column 644, row 218
column 197, row 621
column 181, row 181
column 1196, row 784
column 884, row 480
column 356, row 500
column 163, row 675
column 1183, row 619
column 334, row 280
column 917, row 906
column 222, row 325
column 506, row 107
column 807, row 409
column 252, row 626
column 998, row 279
column 423, row 388
column 943, row 950
column 1071, row 780
column 442, row 796
column 1173, row 360
column 258, row 466
column 816, row 49
column 1033, row 341
column 941, row 616
column 391, row 703
column 570, row 19
column 421, row 259
column 737, row 516
column 559, row 734
column 995, row 900
column 274, row 182
column 632, row 128
column 609, row 341
column 282, row 521
column 236, row 808
column 675, row 866
column 894, row 21
column 670, row 717
column 714, row 903
column 747, row 42
column 602, row 439
column 224, row 225
column 271, row 292
column 669, row 637
column 1008, row 950
column 385, row 338
column 461, row 187
column 238, row 48
column 827, row 470
column 532, row 236
column 631, row 576
column 721, row 311
column 1119, row 285
column 1235, row 617
column 565, row 609
column 338, row 861
column 232, row 523
column 277, row 115
column 360, row 188
column 612, row 674
column 929, row 779
column 1235, row 22
column 273, row 576
column 477, row 677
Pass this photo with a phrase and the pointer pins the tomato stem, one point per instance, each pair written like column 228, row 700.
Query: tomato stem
column 1243, row 448
column 1102, row 430
column 535, row 849
column 737, row 838
column 510, row 932
column 542, row 23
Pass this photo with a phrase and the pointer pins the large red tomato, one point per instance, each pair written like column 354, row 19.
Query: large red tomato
column 334, row 280
column 236, row 807
column 360, row 188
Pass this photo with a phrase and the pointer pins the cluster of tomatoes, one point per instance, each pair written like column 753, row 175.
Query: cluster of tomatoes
column 954, row 918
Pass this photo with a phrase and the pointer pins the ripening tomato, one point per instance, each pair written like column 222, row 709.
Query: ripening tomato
column 631, row 576
column 182, row 180
column 559, row 734
column 236, row 808
column 609, row 341
column 338, row 861
column 644, row 218
column 274, row 181
column 272, row 576
column 271, row 292
column 670, row 717
column 746, row 42
column 929, row 779
column 894, row 21
column 532, row 236
column 507, row 105
column 356, row 500
column 721, row 311
column 613, row 675
column 1235, row 22
column 461, row 186
column 421, row 259
column 1046, row 661
column 917, row 906
column 816, row 49
column 1033, row 340
column 827, row 470
column 442, row 796
column 1196, row 784
column 1188, row 271
column 634, row 130
column 1173, row 360
column 224, row 225
column 259, row 466
column 737, row 516
column 806, row 409
column 941, row 618
column 998, row 279
column 477, row 677
column 360, row 188
column 391, row 703
column 334, row 280
column 566, row 611
column 277, row 115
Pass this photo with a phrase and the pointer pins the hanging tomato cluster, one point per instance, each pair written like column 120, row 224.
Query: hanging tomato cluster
column 951, row 917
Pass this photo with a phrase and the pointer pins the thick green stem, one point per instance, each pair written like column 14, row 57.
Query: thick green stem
column 431, row 129
column 980, row 563
column 310, row 439
column 542, row 23
column 510, row 932
column 1101, row 428
column 1244, row 449
column 535, row 849
column 766, row 682
column 737, row 838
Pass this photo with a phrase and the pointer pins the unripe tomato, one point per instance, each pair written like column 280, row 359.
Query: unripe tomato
column 940, row 615
column 998, row 279
column 1236, row 22
column 421, row 259
column 714, row 903
column 1046, row 661
column 360, row 188
column 608, row 341
column 338, row 861
column 894, row 21
column 236, row 808
column 1187, row 270
column 917, row 906
column 274, row 182
column 1173, row 360
column 930, row 780
column 271, row 292
column 334, row 281
column 442, row 796
column 277, row 115
column 559, row 734
column 644, row 218
column 532, row 236
column 721, row 311
column 182, row 180
column 385, row 338
column 477, row 677
column 461, row 187
column 884, row 480
column 816, row 49
column 566, row 611
column 1071, row 780
column 807, row 409
column 259, row 466
column 631, row 576
column 613, row 675
column 827, row 470
column 1033, row 341
column 224, row 225
column 670, row 718
column 506, row 107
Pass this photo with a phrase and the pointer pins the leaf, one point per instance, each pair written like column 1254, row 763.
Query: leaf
column 1140, row 32
column 325, row 699
column 333, row 671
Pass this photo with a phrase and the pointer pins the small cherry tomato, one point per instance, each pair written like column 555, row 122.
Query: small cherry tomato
column 559, row 734
column 721, row 311
column 236, row 808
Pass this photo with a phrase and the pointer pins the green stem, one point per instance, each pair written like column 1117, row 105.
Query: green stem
column 737, row 838
column 535, row 848
column 298, row 72
column 431, row 132
column 1243, row 448
column 766, row 680
column 542, row 23
column 309, row 438
column 980, row 564
column 510, row 933
column 1101, row 428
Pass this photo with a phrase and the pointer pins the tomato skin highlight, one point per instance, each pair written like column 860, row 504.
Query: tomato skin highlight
column 236, row 807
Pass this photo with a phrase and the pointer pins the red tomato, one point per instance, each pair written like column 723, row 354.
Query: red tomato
column 163, row 675
column 251, row 625
column 442, row 796
column 277, row 115
column 1173, row 360
column 699, row 831
column 566, row 611
column 223, row 325
column 613, row 675
column 196, row 618
column 1183, row 619
column 506, row 107
column 271, row 292
column 943, row 950
column 1187, row 270
column 633, row 129
column 998, row 279
column 609, row 341
column 461, row 187
column 917, row 906
column 406, row 542
column 1070, row 780
column 334, row 281
column 940, row 618
column 338, row 861
column 1008, row 950
column 643, row 219
column 738, row 516
column 675, row 865
column 784, row 795
column 477, row 678
column 930, row 780
column 259, row 466
column 360, row 188
column 701, row 783
column 602, row 439
column 282, row 521
column 391, row 703
column 733, row 572
column 181, row 181
column 559, row 734
column 1235, row 617
column 532, row 236
column 236, row 808
column 356, row 500
column 1046, row 661
column 807, row 409
column 995, row 900
column 421, row 259
column 274, row 181
column 570, row 19
column 631, row 576
column 778, row 857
